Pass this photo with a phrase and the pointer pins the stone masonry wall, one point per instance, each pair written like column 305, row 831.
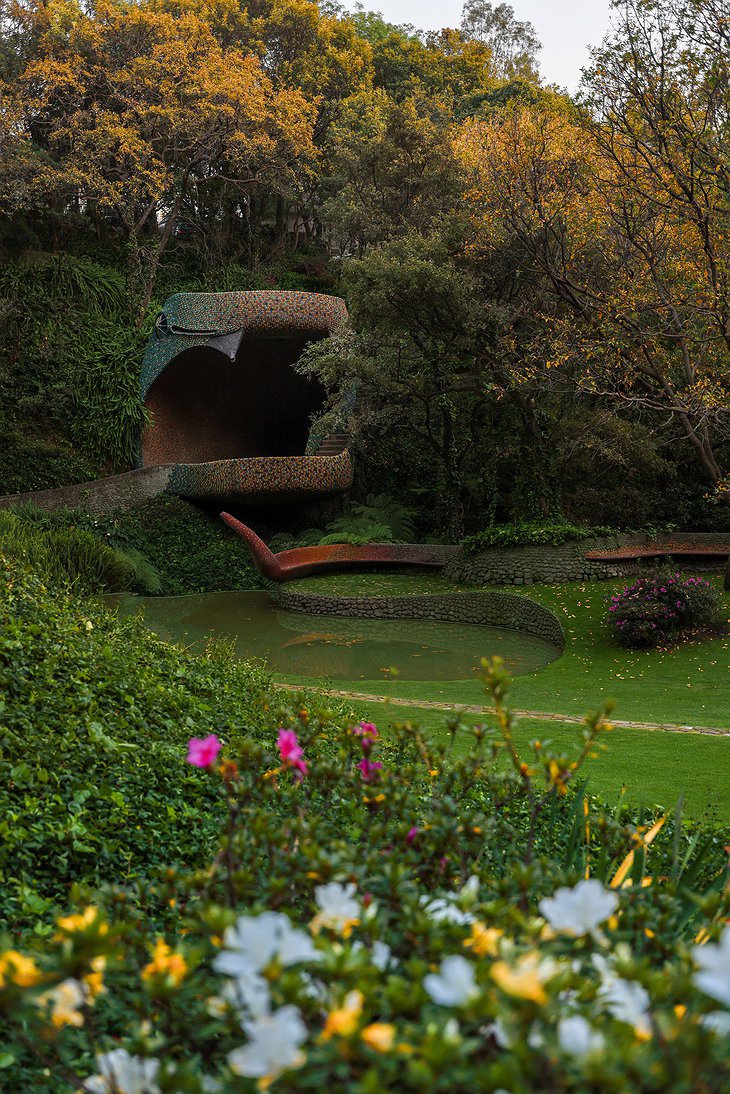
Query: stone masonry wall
column 101, row 495
column 487, row 609
column 548, row 564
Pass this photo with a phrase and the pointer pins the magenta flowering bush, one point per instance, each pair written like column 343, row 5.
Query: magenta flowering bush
column 291, row 753
column 663, row 607
column 203, row 751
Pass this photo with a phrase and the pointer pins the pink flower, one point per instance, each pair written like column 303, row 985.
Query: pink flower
column 291, row 752
column 412, row 833
column 366, row 729
column 368, row 769
column 202, row 751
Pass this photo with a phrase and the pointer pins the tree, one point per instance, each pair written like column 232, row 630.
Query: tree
column 624, row 212
column 392, row 170
column 513, row 44
column 423, row 352
column 445, row 67
column 137, row 110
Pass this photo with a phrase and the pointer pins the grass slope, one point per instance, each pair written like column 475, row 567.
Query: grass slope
column 686, row 685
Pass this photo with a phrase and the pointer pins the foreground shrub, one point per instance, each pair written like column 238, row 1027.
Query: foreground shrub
column 192, row 551
column 66, row 554
column 527, row 534
column 94, row 713
column 663, row 607
column 378, row 918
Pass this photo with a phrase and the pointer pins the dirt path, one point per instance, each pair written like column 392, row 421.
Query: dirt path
column 537, row 715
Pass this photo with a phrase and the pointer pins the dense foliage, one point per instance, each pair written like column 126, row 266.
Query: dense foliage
column 65, row 553
column 530, row 532
column 163, row 547
column 94, row 714
column 378, row 519
column 192, row 551
column 384, row 918
column 664, row 607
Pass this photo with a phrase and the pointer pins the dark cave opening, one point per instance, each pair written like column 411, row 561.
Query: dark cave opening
column 205, row 407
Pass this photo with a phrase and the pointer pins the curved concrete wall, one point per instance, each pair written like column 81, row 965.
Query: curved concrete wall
column 484, row 608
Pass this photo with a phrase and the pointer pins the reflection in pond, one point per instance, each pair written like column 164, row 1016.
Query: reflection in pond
column 335, row 646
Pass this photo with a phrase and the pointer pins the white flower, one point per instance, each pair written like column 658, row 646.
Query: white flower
column 446, row 909
column 496, row 1029
column 470, row 888
column 338, row 908
column 718, row 1022
column 579, row 910
column 380, row 955
column 626, row 1000
column 256, row 940
column 313, row 989
column 249, row 992
column 124, row 1074
column 273, row 1044
column 451, row 1031
column 577, row 1037
column 535, row 1037
column 714, row 961
column 454, row 984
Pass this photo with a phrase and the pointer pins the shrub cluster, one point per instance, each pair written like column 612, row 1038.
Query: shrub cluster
column 94, row 712
column 378, row 918
column 64, row 552
column 663, row 607
column 379, row 519
column 529, row 533
column 191, row 550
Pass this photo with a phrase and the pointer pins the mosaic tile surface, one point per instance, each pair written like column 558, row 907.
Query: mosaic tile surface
column 192, row 319
column 223, row 322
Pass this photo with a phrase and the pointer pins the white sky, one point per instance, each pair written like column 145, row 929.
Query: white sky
column 566, row 28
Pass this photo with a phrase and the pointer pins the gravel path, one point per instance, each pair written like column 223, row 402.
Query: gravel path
column 537, row 715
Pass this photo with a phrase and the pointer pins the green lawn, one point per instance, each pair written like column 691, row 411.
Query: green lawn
column 648, row 768
column 688, row 685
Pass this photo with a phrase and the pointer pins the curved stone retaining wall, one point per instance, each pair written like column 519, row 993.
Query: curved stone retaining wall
column 486, row 609
column 100, row 495
column 547, row 564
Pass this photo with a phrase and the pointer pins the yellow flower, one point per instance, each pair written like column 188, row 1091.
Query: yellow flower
column 558, row 777
column 165, row 962
column 483, row 939
column 524, row 980
column 65, row 1002
column 80, row 921
column 343, row 1021
column 94, row 980
column 379, row 1036
column 17, row 969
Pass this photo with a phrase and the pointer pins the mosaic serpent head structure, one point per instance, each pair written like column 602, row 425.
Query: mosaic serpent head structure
column 226, row 405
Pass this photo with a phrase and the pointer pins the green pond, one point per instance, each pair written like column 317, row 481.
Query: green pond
column 337, row 647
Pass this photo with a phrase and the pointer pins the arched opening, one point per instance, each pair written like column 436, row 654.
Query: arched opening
column 205, row 407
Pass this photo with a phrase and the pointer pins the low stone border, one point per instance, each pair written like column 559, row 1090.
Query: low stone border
column 483, row 608
column 547, row 564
